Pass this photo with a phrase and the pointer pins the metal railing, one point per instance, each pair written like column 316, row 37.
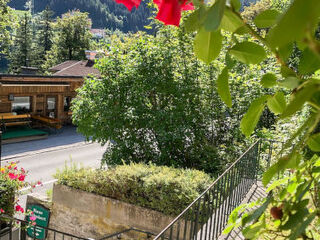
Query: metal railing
column 120, row 235
column 206, row 217
column 17, row 229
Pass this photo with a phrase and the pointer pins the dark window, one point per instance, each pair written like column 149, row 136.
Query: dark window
column 21, row 105
column 67, row 103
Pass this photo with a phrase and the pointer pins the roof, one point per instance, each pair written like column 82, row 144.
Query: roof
column 63, row 65
column 78, row 68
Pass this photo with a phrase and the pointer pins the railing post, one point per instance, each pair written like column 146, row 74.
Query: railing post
column 270, row 154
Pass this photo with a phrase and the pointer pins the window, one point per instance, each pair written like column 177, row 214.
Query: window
column 51, row 103
column 21, row 105
column 67, row 103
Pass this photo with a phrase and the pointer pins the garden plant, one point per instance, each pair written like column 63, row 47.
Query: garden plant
column 12, row 181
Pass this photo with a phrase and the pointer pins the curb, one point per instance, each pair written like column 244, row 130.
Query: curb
column 52, row 149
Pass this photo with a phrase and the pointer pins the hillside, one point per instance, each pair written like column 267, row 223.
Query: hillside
column 104, row 13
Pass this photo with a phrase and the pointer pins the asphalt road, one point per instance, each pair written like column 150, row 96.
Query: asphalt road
column 43, row 157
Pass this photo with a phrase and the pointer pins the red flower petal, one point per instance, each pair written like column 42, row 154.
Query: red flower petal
column 130, row 3
column 12, row 176
column 170, row 10
column 22, row 177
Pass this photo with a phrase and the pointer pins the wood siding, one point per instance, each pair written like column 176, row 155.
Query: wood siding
column 38, row 93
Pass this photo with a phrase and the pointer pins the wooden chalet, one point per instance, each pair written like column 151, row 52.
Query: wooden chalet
column 30, row 98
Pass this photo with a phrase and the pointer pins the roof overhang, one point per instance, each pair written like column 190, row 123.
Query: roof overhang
column 33, row 84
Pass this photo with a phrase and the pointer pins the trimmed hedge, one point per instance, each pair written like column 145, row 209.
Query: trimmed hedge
column 164, row 189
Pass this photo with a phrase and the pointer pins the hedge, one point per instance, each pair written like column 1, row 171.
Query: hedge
column 164, row 189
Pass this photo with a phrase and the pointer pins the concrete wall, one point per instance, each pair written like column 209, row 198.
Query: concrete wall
column 92, row 216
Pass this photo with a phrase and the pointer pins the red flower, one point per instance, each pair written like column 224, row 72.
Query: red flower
column 170, row 10
column 1, row 210
column 13, row 176
column 22, row 177
column 130, row 3
column 19, row 209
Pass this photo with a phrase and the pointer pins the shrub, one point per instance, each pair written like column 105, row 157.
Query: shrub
column 164, row 189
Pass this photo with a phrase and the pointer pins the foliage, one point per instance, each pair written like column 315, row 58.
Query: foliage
column 103, row 13
column 292, row 32
column 294, row 27
column 44, row 35
column 71, row 39
column 6, row 19
column 158, row 104
column 22, row 53
column 164, row 189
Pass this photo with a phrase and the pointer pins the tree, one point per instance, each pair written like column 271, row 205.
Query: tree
column 22, row 53
column 6, row 19
column 72, row 37
column 44, row 35
column 158, row 103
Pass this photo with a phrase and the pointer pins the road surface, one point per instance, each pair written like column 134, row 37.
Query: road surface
column 43, row 157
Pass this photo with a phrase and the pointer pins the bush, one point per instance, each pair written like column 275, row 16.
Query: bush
column 164, row 189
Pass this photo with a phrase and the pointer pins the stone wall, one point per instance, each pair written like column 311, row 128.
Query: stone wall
column 92, row 216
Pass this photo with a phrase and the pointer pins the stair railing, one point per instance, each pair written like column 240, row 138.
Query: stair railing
column 206, row 216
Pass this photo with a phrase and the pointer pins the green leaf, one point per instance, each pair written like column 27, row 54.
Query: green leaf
column 299, row 100
column 230, row 21
column 236, row 4
column 277, row 103
column 300, row 228
column 248, row 52
column 207, row 45
column 285, row 51
column 253, row 230
column 283, row 163
column 295, row 219
column 294, row 160
column 223, row 87
column 251, row 118
column 278, row 183
column 229, row 61
column 268, row 80
column 267, row 18
column 314, row 142
column 301, row 18
column 309, row 62
column 194, row 20
column 254, row 215
column 290, row 82
column 215, row 14
column 242, row 30
column 287, row 72
column 274, row 169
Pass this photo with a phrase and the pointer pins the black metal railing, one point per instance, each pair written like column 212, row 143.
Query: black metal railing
column 134, row 231
column 17, row 229
column 206, row 217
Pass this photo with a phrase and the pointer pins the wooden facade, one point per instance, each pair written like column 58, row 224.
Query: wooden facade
column 48, row 95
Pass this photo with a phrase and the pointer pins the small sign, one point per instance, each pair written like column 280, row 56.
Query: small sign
column 42, row 215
